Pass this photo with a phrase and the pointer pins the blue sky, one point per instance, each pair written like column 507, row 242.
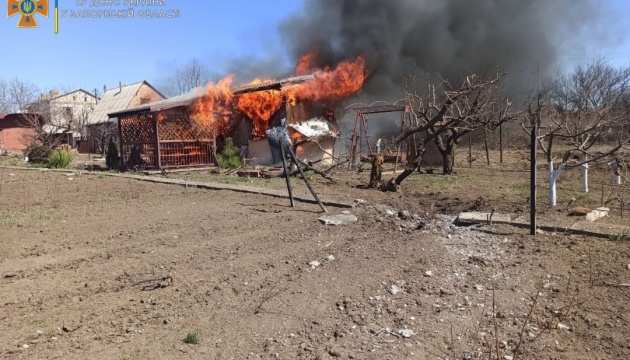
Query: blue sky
column 90, row 53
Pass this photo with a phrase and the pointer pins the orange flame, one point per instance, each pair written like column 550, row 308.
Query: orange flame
column 329, row 85
column 215, row 106
column 304, row 65
column 260, row 106
column 218, row 103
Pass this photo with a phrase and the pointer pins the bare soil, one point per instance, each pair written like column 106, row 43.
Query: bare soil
column 93, row 267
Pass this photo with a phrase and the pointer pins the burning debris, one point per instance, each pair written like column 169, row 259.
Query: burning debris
column 261, row 99
column 315, row 128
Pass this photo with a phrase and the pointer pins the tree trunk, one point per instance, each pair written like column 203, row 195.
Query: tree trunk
column 376, row 173
column 448, row 157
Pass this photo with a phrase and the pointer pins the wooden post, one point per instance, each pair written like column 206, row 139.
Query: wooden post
column 120, row 141
column 308, row 184
column 485, row 140
column 286, row 172
column 353, row 144
column 501, row 143
column 397, row 158
column 157, row 142
column 470, row 149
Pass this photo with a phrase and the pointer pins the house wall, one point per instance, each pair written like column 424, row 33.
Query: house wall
column 146, row 94
column 81, row 103
column 11, row 138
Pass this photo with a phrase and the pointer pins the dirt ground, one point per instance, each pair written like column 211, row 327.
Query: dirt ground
column 94, row 267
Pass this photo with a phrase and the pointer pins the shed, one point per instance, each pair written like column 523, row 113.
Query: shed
column 165, row 135
column 14, row 132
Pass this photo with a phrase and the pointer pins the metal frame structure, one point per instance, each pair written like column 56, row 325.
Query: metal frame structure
column 360, row 130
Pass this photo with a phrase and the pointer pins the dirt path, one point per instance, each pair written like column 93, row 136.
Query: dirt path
column 106, row 268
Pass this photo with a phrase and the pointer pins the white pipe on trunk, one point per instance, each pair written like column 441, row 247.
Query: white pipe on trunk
column 553, row 177
column 552, row 186
column 617, row 179
column 585, row 177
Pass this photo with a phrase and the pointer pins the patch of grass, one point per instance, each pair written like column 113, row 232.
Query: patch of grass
column 8, row 218
column 192, row 338
column 101, row 176
column 39, row 166
column 623, row 237
column 60, row 159
column 11, row 218
column 12, row 160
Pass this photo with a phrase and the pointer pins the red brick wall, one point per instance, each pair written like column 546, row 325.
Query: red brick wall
column 145, row 95
column 11, row 138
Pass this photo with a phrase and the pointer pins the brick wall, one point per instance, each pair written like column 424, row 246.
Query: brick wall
column 145, row 95
column 11, row 138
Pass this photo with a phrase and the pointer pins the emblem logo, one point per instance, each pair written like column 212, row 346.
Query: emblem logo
column 27, row 9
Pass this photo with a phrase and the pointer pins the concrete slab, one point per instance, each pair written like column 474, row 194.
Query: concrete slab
column 341, row 219
column 475, row 217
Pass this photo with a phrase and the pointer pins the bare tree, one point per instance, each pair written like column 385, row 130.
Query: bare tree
column 79, row 122
column 445, row 114
column 580, row 110
column 16, row 94
column 478, row 105
column 185, row 78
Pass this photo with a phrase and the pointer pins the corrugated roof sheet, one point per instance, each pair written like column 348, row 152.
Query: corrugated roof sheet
column 172, row 102
column 115, row 99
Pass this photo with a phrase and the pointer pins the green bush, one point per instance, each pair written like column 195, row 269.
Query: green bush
column 60, row 159
column 38, row 154
column 229, row 159
column 112, row 159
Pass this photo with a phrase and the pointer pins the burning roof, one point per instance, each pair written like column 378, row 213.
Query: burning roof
column 262, row 98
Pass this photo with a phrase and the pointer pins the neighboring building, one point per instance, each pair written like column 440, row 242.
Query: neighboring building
column 100, row 126
column 15, row 132
column 65, row 115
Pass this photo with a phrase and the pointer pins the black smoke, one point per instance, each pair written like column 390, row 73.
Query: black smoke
column 452, row 38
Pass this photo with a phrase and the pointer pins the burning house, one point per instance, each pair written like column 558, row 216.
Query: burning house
column 189, row 130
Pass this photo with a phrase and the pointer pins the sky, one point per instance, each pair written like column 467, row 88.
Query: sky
column 89, row 53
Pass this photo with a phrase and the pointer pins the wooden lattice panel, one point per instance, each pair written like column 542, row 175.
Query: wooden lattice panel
column 181, row 128
column 137, row 130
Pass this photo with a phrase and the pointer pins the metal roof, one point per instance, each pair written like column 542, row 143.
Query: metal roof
column 115, row 99
column 172, row 102
column 272, row 85
column 196, row 93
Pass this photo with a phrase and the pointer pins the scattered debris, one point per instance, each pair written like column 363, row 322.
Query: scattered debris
column 600, row 212
column 563, row 326
column 579, row 211
column 331, row 258
column 341, row 219
column 314, row 264
column 428, row 273
column 359, row 201
column 390, row 212
column 154, row 284
column 394, row 289
column 406, row 333
column 404, row 215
